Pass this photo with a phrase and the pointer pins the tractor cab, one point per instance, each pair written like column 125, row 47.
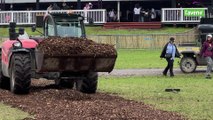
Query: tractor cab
column 63, row 25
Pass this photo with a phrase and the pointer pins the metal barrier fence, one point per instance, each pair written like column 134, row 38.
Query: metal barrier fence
column 176, row 15
column 29, row 17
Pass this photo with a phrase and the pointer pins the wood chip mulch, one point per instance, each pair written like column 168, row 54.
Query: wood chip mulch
column 46, row 102
column 68, row 46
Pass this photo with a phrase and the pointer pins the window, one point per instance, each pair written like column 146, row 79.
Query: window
column 50, row 28
column 68, row 27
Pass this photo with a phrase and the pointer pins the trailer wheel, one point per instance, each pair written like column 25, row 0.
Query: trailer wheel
column 20, row 73
column 4, row 81
column 89, row 84
column 188, row 65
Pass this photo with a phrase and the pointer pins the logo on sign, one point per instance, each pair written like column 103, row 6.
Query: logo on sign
column 194, row 12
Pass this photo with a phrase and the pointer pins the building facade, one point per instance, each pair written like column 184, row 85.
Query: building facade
column 43, row 4
column 123, row 8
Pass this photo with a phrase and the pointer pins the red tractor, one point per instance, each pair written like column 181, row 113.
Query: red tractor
column 21, row 61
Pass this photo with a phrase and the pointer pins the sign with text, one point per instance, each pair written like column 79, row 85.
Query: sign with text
column 194, row 12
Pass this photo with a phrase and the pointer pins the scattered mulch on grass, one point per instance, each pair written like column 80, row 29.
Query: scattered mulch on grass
column 69, row 46
column 46, row 102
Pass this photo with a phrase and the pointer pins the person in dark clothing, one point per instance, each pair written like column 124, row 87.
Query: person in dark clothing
column 65, row 6
column 55, row 7
column 207, row 53
column 147, row 16
column 137, row 10
column 169, row 52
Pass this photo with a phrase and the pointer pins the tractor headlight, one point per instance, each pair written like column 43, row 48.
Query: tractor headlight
column 17, row 45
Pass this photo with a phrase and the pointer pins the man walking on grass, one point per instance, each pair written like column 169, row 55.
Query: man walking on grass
column 169, row 52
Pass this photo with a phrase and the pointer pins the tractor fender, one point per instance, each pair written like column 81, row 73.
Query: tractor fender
column 188, row 54
column 6, row 69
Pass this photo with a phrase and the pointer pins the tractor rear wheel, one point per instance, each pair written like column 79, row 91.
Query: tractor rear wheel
column 188, row 65
column 20, row 73
column 89, row 84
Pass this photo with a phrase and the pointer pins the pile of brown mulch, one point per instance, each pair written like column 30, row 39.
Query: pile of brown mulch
column 68, row 46
column 46, row 102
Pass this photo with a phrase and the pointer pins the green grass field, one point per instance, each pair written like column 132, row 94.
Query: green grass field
column 195, row 99
column 164, row 30
column 8, row 113
column 138, row 58
column 100, row 31
column 4, row 31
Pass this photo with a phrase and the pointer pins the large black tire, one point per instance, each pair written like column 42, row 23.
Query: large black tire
column 188, row 65
column 88, row 85
column 4, row 81
column 20, row 73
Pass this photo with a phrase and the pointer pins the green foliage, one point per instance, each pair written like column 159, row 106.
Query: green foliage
column 193, row 101
column 8, row 113
column 139, row 58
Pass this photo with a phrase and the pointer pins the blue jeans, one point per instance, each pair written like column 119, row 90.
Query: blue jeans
column 209, row 62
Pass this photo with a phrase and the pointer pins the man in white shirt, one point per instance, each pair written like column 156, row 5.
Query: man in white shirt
column 112, row 15
column 136, row 16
